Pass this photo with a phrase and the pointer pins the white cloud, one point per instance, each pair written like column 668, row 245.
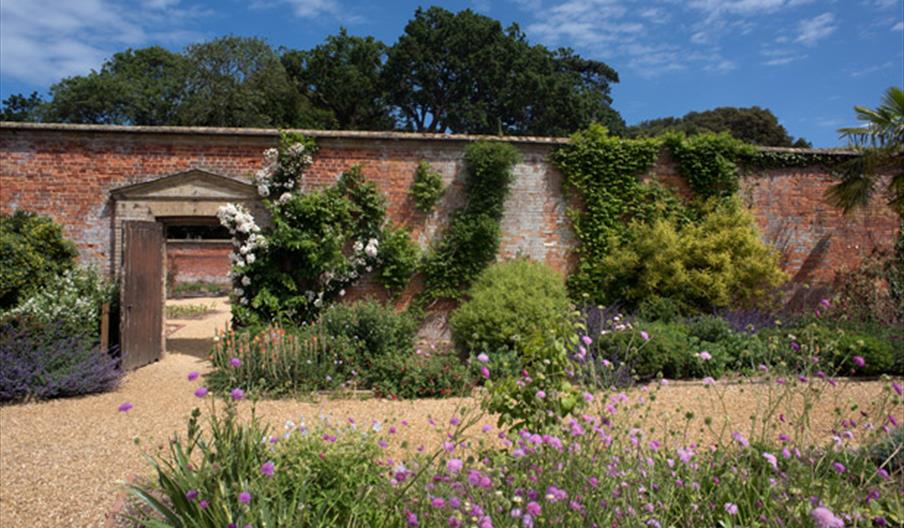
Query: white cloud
column 42, row 41
column 898, row 27
column 314, row 8
column 812, row 30
column 871, row 69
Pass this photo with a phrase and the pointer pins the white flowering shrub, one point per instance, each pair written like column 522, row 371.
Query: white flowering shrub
column 73, row 301
column 319, row 243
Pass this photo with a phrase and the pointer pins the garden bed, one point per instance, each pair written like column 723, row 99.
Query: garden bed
column 62, row 462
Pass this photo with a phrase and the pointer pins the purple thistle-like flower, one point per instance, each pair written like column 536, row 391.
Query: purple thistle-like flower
column 245, row 497
column 708, row 380
column 644, row 335
column 586, row 340
column 201, row 392
column 191, row 494
column 455, row 420
column 705, row 356
column 193, row 375
column 771, row 459
column 824, row 518
column 454, row 465
column 268, row 468
column 540, row 394
column 859, row 361
column 739, row 438
column 731, row 508
column 533, row 509
column 839, row 467
column 235, row 362
column 411, row 518
column 125, row 407
column 795, row 346
column 237, row 394
column 485, row 372
column 483, row 358
column 203, row 504
column 437, row 503
column 897, row 388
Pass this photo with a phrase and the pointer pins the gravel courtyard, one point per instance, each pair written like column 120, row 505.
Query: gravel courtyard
column 62, row 462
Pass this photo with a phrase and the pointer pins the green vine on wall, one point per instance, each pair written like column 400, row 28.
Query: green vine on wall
column 426, row 188
column 471, row 240
column 709, row 162
column 604, row 172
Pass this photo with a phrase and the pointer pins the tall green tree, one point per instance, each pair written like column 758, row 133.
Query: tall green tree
column 341, row 79
column 880, row 142
column 462, row 72
column 17, row 107
column 134, row 87
column 755, row 125
column 238, row 82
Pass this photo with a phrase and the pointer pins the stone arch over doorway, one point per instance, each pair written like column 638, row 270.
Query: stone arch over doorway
column 141, row 213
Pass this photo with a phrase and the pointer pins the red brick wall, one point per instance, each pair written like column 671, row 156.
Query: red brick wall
column 206, row 261
column 68, row 173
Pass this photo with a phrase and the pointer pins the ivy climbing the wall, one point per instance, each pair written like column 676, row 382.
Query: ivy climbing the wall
column 426, row 187
column 317, row 245
column 471, row 241
column 709, row 162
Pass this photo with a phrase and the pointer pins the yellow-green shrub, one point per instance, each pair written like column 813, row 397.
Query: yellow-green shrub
column 717, row 262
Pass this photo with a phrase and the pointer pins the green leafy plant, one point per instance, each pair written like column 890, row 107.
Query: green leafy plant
column 399, row 258
column 717, row 262
column 471, row 240
column 425, row 374
column 709, row 162
column 426, row 187
column 509, row 302
column 33, row 252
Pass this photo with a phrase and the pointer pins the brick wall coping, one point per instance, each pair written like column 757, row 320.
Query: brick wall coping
column 342, row 134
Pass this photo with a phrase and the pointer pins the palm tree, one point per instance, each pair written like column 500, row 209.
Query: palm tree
column 880, row 141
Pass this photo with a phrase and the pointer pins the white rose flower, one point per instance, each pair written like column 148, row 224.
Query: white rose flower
column 246, row 281
column 250, row 258
column 238, row 292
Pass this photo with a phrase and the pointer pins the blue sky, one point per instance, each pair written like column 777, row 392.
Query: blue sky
column 809, row 61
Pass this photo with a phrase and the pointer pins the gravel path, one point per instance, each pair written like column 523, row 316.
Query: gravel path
column 62, row 462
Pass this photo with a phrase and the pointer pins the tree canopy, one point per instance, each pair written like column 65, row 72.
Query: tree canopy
column 755, row 125
column 448, row 72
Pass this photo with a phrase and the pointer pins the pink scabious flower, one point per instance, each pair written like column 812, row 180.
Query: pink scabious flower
column 237, row 394
column 731, row 508
column 644, row 335
column 859, row 361
column 203, row 504
column 708, row 380
column 411, row 518
column 191, row 494
column 795, row 346
column 705, row 356
column 245, row 497
column 437, row 502
column 825, row 303
column 201, row 392
column 540, row 394
column 739, row 438
column 193, row 375
column 268, row 468
column 839, row 467
column 455, row 420
column 485, row 372
column 897, row 388
column 586, row 340
column 771, row 459
column 125, row 407
column 454, row 465
column 588, row 397
column 824, row 518
column 235, row 362
column 533, row 508
column 483, row 358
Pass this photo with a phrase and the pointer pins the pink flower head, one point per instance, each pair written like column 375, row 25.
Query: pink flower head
column 268, row 468
column 485, row 372
column 644, row 335
column 705, row 356
column 732, row 509
column 245, row 497
column 237, row 394
column 770, row 458
column 125, row 407
column 533, row 508
column 437, row 502
column 839, row 467
column 795, row 346
column 859, row 361
column 541, row 394
column 897, row 388
column 201, row 392
column 824, row 518
column 825, row 303
column 193, row 375
column 235, row 362
column 708, row 380
column 454, row 465
column 586, row 340
column 483, row 358
column 739, row 438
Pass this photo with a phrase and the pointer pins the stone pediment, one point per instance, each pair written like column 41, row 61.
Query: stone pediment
column 193, row 185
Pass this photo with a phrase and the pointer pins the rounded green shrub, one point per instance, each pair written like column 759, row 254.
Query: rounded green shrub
column 668, row 351
column 33, row 251
column 373, row 330
column 409, row 376
column 508, row 303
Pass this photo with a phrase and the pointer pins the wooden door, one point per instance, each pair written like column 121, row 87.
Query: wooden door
column 142, row 294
